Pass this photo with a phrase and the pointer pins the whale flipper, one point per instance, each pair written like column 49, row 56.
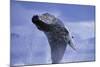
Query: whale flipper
column 71, row 45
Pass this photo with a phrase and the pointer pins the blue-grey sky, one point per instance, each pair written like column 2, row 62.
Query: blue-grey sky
column 69, row 12
column 30, row 46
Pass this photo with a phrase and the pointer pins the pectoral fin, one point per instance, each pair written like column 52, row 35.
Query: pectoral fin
column 71, row 45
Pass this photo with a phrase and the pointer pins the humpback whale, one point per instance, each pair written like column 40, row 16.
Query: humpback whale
column 58, row 36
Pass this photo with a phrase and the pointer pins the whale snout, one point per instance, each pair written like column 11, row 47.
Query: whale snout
column 35, row 18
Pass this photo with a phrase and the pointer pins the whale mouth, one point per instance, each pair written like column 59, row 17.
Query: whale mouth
column 40, row 24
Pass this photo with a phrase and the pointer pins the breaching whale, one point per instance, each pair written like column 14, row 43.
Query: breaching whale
column 58, row 36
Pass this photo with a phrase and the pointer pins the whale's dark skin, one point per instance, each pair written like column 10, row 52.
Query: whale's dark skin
column 58, row 38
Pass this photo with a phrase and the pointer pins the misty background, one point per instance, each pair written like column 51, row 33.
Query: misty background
column 30, row 45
